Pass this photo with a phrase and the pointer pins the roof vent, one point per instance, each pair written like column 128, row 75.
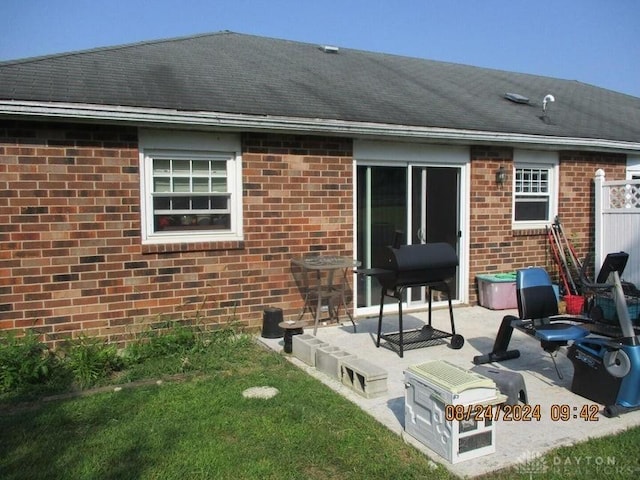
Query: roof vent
column 516, row 98
column 329, row 49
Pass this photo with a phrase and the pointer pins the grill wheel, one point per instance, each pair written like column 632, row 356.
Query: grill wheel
column 457, row 341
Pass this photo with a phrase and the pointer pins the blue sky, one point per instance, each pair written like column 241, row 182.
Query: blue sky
column 592, row 41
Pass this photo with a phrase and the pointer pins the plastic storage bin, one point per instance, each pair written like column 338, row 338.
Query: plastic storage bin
column 497, row 291
column 610, row 314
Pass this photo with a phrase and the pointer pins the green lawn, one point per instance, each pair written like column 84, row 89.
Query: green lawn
column 201, row 427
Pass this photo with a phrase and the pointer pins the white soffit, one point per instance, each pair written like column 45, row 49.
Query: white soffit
column 213, row 120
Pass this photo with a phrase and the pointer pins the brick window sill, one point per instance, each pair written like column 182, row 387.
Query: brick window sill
column 528, row 232
column 192, row 247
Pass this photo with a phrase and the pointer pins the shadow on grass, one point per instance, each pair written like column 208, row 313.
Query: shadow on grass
column 94, row 437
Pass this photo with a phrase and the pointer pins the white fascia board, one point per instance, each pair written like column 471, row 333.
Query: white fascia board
column 215, row 120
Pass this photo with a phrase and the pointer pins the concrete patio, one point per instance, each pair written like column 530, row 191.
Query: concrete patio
column 517, row 442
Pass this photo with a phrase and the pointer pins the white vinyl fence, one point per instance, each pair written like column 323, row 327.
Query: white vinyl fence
column 617, row 222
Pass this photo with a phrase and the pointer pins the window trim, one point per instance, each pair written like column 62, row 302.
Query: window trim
column 189, row 145
column 633, row 167
column 538, row 160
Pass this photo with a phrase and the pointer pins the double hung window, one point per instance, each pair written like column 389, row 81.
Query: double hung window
column 535, row 189
column 190, row 193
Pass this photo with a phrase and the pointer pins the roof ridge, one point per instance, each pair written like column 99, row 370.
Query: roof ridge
column 110, row 48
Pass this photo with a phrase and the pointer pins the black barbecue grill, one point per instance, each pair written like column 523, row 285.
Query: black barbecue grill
column 429, row 265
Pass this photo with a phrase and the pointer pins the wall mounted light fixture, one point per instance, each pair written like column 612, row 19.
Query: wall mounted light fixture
column 501, row 176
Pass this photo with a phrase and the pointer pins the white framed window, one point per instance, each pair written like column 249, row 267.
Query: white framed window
column 633, row 167
column 535, row 188
column 191, row 187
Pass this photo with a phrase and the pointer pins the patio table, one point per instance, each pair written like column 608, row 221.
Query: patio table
column 324, row 268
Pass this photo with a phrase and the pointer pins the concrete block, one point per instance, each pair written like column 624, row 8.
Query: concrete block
column 364, row 377
column 304, row 348
column 329, row 360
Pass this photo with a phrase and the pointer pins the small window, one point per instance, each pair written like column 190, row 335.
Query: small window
column 633, row 167
column 532, row 194
column 534, row 188
column 190, row 193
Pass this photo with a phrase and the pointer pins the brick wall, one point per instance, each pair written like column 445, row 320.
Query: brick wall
column 298, row 193
column 495, row 247
column 68, row 225
column 577, row 170
column 72, row 259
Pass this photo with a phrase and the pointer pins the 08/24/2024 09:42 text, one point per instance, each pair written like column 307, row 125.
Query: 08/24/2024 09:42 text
column 521, row 412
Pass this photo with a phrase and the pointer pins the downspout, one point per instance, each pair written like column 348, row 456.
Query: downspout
column 599, row 199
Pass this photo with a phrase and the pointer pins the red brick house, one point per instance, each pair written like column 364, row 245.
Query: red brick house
column 178, row 178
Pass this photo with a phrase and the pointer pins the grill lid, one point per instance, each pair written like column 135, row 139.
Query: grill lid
column 422, row 257
column 412, row 265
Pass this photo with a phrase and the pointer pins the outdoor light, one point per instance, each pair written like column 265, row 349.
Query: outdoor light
column 501, row 176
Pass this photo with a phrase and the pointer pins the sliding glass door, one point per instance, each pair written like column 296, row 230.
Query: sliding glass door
column 420, row 201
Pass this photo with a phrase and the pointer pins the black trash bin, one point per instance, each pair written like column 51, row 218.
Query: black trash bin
column 271, row 317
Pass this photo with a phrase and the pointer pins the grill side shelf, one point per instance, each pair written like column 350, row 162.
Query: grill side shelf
column 373, row 272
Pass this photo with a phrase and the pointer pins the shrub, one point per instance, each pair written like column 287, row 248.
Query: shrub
column 28, row 368
column 173, row 340
column 90, row 360
column 24, row 361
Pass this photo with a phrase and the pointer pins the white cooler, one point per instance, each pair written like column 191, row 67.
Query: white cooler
column 433, row 385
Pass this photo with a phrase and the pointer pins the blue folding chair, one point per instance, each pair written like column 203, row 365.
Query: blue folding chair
column 537, row 316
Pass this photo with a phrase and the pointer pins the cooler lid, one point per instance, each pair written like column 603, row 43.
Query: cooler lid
column 450, row 377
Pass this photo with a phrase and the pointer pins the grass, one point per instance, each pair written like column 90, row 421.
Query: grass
column 605, row 457
column 203, row 428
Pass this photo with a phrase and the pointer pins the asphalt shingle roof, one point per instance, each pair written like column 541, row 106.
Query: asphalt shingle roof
column 235, row 73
